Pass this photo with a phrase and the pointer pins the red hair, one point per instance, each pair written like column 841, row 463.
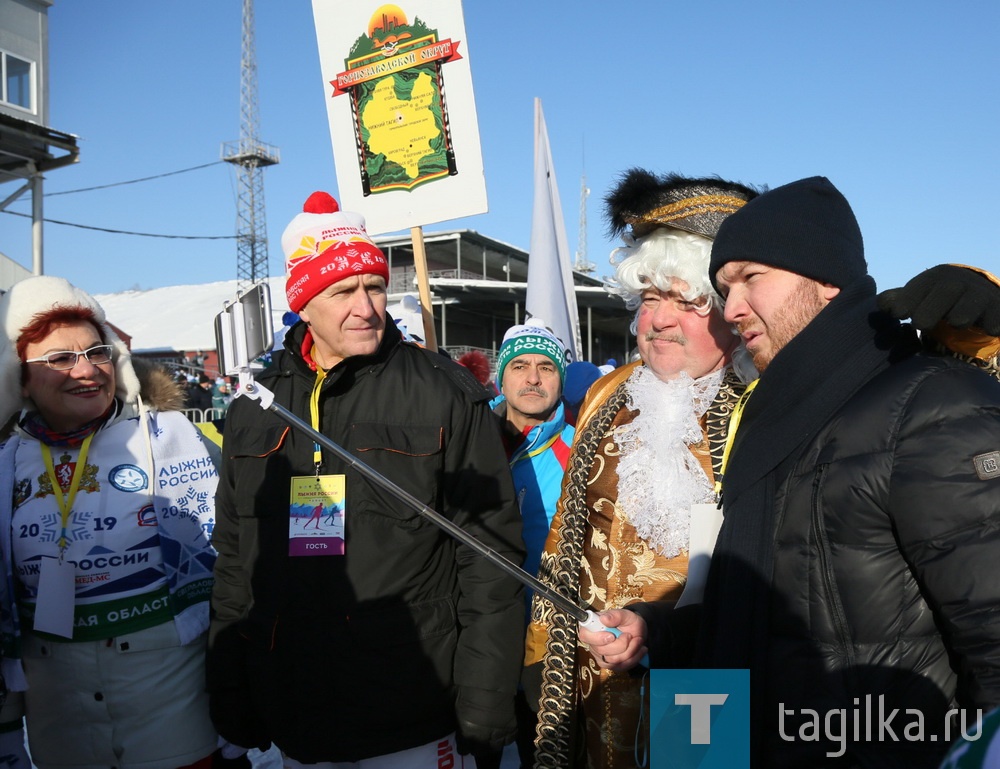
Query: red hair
column 44, row 323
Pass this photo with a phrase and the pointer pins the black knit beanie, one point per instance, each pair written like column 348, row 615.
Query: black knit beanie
column 806, row 227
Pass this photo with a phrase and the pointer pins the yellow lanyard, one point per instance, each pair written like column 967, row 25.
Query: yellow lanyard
column 65, row 502
column 314, row 414
column 734, row 425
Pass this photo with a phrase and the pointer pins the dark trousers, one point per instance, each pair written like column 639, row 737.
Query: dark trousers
column 527, row 718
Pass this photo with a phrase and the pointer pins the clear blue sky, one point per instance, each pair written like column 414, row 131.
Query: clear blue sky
column 896, row 102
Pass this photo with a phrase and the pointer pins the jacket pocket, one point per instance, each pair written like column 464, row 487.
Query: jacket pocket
column 257, row 442
column 825, row 556
column 403, row 625
column 405, row 440
column 258, row 468
column 410, row 456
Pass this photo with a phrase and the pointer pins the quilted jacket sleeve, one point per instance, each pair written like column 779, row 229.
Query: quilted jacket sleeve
column 479, row 498
column 945, row 505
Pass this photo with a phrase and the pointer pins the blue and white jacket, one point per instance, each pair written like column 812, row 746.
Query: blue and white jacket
column 538, row 466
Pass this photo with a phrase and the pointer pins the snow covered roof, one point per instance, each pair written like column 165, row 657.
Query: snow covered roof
column 180, row 317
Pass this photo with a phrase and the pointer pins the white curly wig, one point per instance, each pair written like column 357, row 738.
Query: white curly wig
column 659, row 258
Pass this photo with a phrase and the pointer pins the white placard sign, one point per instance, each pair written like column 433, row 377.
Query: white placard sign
column 398, row 89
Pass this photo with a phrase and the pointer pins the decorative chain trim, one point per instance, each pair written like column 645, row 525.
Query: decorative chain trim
column 717, row 418
column 556, row 712
column 557, row 707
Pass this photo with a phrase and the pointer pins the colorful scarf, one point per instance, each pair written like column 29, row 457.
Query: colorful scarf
column 34, row 425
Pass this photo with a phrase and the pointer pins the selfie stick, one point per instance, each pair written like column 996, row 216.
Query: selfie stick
column 234, row 358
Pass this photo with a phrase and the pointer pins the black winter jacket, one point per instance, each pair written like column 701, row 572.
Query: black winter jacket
column 858, row 566
column 857, row 572
column 338, row 658
column 886, row 581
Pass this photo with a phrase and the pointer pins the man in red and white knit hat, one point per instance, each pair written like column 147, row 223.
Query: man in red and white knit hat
column 330, row 258
column 395, row 646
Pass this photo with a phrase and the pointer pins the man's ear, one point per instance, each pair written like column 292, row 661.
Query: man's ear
column 828, row 291
column 304, row 315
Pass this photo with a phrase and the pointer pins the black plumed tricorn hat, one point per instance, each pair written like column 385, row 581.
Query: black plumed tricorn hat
column 643, row 201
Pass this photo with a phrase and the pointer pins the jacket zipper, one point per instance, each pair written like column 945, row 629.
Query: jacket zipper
column 826, row 567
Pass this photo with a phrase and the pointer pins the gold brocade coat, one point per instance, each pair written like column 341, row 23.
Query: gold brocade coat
column 588, row 717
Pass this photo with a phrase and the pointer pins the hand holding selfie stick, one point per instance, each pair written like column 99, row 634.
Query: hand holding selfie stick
column 244, row 333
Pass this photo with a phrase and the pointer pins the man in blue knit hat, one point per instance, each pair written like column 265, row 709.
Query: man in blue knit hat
column 531, row 372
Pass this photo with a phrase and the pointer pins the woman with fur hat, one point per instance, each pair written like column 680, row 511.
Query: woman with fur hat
column 106, row 507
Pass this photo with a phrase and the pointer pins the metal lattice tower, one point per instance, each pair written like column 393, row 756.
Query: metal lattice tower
column 251, row 156
column 581, row 264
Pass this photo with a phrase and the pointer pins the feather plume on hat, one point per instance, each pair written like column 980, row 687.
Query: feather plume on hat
column 642, row 208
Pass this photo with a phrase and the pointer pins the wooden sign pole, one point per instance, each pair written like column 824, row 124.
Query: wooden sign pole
column 423, row 287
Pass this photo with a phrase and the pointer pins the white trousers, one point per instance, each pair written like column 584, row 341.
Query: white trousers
column 138, row 703
column 438, row 754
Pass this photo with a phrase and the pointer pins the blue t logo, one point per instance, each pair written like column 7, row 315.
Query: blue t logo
column 701, row 714
column 699, row 719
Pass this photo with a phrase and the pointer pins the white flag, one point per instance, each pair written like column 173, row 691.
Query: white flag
column 551, row 296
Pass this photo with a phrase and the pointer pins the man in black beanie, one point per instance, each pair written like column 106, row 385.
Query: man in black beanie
column 806, row 227
column 858, row 562
column 805, row 238
column 857, row 571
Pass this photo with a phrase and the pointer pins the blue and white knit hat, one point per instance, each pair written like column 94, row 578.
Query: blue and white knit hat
column 532, row 337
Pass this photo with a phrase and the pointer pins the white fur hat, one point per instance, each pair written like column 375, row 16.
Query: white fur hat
column 41, row 293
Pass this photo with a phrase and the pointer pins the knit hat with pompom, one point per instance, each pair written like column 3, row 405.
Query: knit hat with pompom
column 322, row 246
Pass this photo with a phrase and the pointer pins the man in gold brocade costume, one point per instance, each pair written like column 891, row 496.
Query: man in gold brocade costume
column 648, row 447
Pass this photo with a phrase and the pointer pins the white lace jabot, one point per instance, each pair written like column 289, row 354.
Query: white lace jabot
column 659, row 479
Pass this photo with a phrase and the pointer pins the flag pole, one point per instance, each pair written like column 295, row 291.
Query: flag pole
column 551, row 293
column 423, row 287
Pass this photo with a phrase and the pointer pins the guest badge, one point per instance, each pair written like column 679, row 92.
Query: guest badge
column 316, row 520
column 706, row 520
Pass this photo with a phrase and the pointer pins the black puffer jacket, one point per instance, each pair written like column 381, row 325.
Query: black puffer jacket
column 858, row 567
column 887, row 562
column 338, row 658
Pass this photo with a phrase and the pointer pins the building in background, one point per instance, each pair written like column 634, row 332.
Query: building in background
column 28, row 146
column 477, row 287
